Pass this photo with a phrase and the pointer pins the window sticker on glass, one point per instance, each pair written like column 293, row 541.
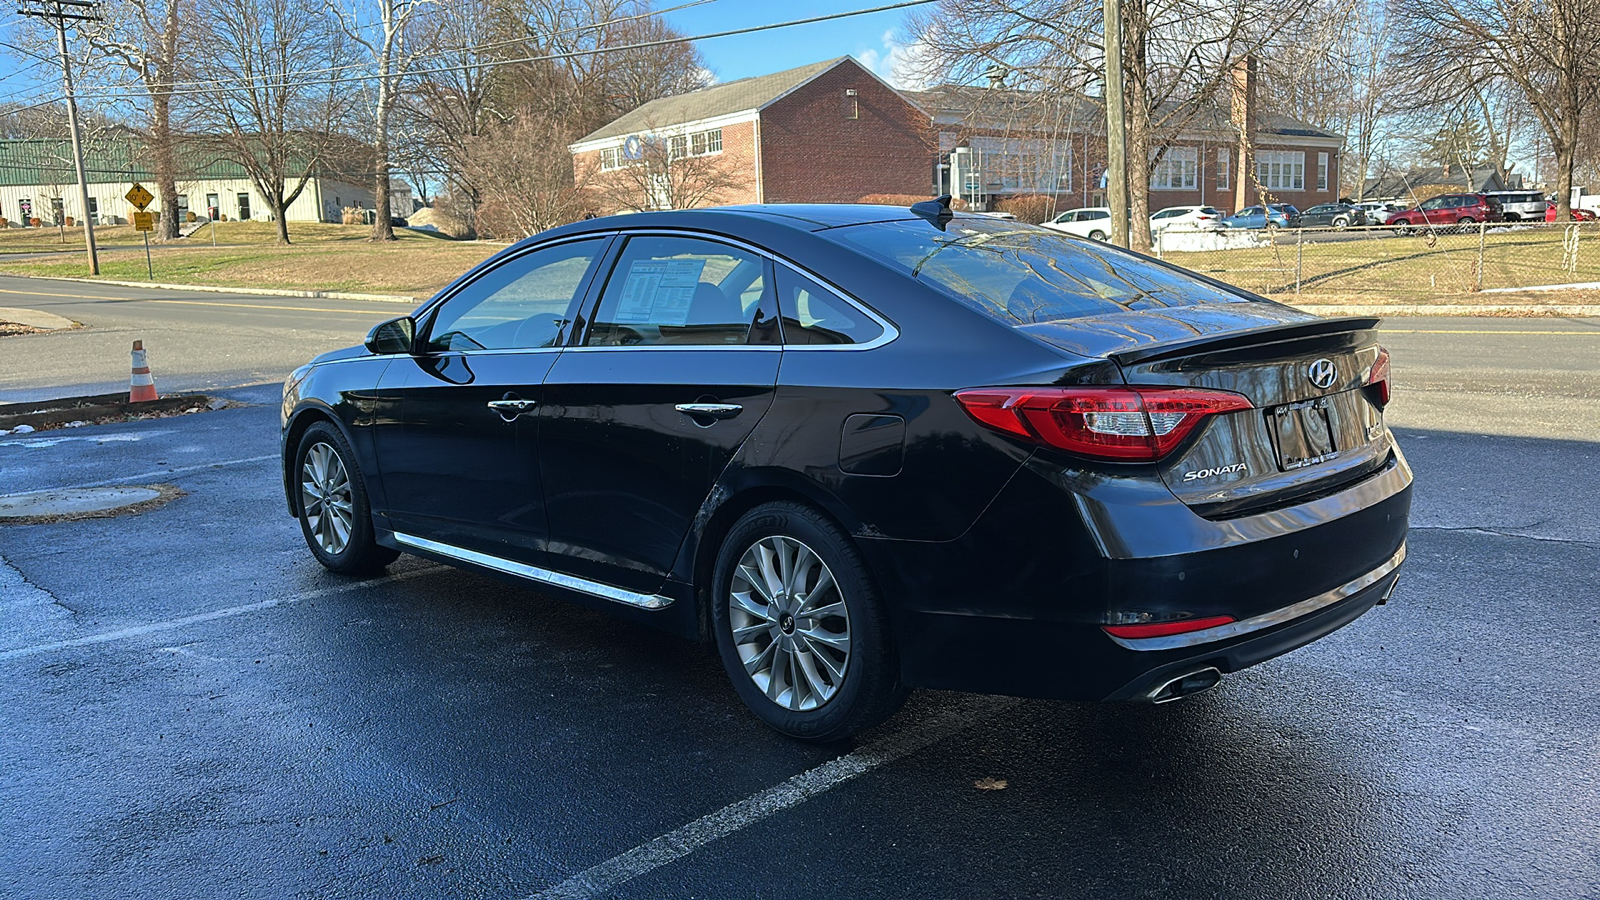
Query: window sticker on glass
column 659, row 291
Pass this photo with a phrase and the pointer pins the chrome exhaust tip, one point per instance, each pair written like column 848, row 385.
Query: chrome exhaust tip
column 1188, row 685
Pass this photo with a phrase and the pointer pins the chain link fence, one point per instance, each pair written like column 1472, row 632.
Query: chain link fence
column 1379, row 263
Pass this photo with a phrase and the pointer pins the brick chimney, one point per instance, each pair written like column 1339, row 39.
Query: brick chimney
column 1243, row 94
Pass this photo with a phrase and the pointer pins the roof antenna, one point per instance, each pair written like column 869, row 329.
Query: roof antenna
column 936, row 210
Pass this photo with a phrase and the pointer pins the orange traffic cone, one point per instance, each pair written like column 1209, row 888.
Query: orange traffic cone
column 141, row 387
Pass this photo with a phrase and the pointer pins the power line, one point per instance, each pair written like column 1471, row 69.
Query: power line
column 179, row 86
column 643, row 45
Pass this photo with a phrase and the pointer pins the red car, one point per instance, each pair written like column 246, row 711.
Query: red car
column 1448, row 209
column 1578, row 215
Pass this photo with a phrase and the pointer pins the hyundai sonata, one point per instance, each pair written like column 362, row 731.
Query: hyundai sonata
column 862, row 449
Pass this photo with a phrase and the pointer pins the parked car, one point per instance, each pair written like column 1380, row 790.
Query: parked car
column 1185, row 218
column 1519, row 206
column 864, row 448
column 1578, row 214
column 1377, row 213
column 1260, row 217
column 1089, row 221
column 1334, row 215
column 1447, row 209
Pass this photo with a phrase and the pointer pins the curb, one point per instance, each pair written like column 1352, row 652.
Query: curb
column 34, row 318
column 1561, row 310
column 212, row 289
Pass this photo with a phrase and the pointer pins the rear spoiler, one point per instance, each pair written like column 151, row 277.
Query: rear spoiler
column 1263, row 335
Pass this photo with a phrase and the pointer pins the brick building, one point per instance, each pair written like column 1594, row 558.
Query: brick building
column 827, row 132
column 834, row 132
column 995, row 142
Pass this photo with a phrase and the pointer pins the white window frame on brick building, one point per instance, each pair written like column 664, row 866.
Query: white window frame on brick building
column 610, row 159
column 1018, row 165
column 1177, row 170
column 1281, row 170
column 1224, row 159
column 1322, row 171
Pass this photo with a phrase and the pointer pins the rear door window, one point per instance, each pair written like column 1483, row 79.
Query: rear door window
column 1022, row 274
column 669, row 290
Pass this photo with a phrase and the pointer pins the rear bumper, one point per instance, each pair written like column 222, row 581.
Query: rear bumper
column 1016, row 605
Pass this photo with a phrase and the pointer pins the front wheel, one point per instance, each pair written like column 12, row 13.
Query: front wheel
column 800, row 628
column 331, row 499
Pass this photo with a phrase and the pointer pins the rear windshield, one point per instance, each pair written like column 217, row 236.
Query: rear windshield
column 1023, row 274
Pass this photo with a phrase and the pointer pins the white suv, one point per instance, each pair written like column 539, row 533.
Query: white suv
column 1092, row 222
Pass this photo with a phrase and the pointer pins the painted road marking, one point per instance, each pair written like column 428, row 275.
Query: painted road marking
column 68, row 296
column 192, row 302
column 348, row 312
column 228, row 613
column 181, row 470
column 674, row 845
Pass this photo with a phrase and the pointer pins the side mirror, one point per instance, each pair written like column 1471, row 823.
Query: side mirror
column 393, row 336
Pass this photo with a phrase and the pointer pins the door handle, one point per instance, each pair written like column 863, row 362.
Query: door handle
column 710, row 410
column 509, row 409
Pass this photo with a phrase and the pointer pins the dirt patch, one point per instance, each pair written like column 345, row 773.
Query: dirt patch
column 164, row 494
column 10, row 328
column 102, row 409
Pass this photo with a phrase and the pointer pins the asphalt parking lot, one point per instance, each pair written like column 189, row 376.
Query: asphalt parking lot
column 195, row 709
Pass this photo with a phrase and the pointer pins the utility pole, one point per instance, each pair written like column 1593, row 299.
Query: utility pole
column 60, row 11
column 1116, row 127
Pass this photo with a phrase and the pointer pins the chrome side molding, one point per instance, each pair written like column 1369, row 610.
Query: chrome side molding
column 534, row 573
column 1267, row 620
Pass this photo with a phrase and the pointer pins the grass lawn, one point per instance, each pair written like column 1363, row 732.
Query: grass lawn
column 1412, row 269
column 322, row 258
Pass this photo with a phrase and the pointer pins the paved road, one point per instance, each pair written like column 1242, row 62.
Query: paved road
column 193, row 708
column 195, row 341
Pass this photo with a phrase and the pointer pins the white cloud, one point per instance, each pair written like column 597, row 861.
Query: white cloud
column 898, row 63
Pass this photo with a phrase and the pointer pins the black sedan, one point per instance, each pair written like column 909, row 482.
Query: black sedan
column 863, row 449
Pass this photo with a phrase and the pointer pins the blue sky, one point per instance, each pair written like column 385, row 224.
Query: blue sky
column 869, row 38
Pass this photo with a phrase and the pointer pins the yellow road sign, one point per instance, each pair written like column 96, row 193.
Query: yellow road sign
column 139, row 197
column 144, row 221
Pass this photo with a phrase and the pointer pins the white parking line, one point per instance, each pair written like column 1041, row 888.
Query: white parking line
column 676, row 844
column 174, row 624
column 181, row 470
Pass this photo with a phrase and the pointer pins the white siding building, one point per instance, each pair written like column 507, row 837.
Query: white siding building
column 38, row 181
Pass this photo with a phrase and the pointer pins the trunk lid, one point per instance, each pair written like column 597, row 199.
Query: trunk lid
column 1316, row 425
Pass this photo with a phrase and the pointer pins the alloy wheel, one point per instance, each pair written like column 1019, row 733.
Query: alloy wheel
column 325, row 498
column 791, row 628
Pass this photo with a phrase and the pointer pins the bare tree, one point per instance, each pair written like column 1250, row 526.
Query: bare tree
column 533, row 188
column 670, row 173
column 442, row 113
column 476, row 96
column 261, row 103
column 389, row 38
column 1178, row 59
column 1544, row 49
column 149, row 40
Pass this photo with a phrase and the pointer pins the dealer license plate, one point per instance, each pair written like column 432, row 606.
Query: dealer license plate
column 1303, row 434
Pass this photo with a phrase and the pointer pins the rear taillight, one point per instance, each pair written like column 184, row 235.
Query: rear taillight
column 1165, row 629
column 1378, row 377
column 1129, row 424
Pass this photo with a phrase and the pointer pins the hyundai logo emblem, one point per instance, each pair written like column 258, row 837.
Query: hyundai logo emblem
column 1322, row 373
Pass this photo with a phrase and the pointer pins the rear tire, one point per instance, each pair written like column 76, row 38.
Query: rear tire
column 800, row 628
column 331, row 502
column 1097, row 235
